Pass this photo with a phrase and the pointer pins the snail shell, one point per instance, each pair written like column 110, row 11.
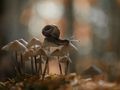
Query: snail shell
column 51, row 31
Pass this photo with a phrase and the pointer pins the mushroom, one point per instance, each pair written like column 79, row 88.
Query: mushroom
column 46, row 66
column 41, row 53
column 48, row 45
column 58, row 53
column 68, row 49
column 67, row 60
column 15, row 47
column 29, row 54
column 34, row 43
column 20, row 52
column 40, row 61
column 8, row 48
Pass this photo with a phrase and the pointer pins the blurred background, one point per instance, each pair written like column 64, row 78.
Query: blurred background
column 95, row 23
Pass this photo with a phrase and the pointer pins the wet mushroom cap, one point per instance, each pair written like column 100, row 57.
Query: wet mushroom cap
column 14, row 46
column 6, row 47
column 29, row 53
column 34, row 42
column 69, row 48
column 76, row 43
column 41, row 52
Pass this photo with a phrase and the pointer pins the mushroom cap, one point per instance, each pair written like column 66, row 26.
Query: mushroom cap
column 14, row 46
column 34, row 42
column 46, row 43
column 6, row 47
column 69, row 48
column 23, row 41
column 43, row 54
column 40, row 51
column 76, row 43
column 28, row 54
column 57, row 52
column 65, row 59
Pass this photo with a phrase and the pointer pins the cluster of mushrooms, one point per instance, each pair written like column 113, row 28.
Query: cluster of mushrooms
column 39, row 53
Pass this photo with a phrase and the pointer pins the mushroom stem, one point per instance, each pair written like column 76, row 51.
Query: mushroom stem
column 60, row 68
column 40, row 67
column 32, row 67
column 17, row 64
column 46, row 65
column 48, row 69
column 35, row 63
column 22, row 65
column 67, row 67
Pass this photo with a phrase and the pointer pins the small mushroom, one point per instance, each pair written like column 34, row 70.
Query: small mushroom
column 58, row 54
column 20, row 52
column 8, row 48
column 30, row 54
column 15, row 47
column 41, row 53
column 48, row 45
column 40, row 61
column 67, row 60
column 46, row 66
column 34, row 43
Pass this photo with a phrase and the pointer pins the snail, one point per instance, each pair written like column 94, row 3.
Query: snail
column 52, row 34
